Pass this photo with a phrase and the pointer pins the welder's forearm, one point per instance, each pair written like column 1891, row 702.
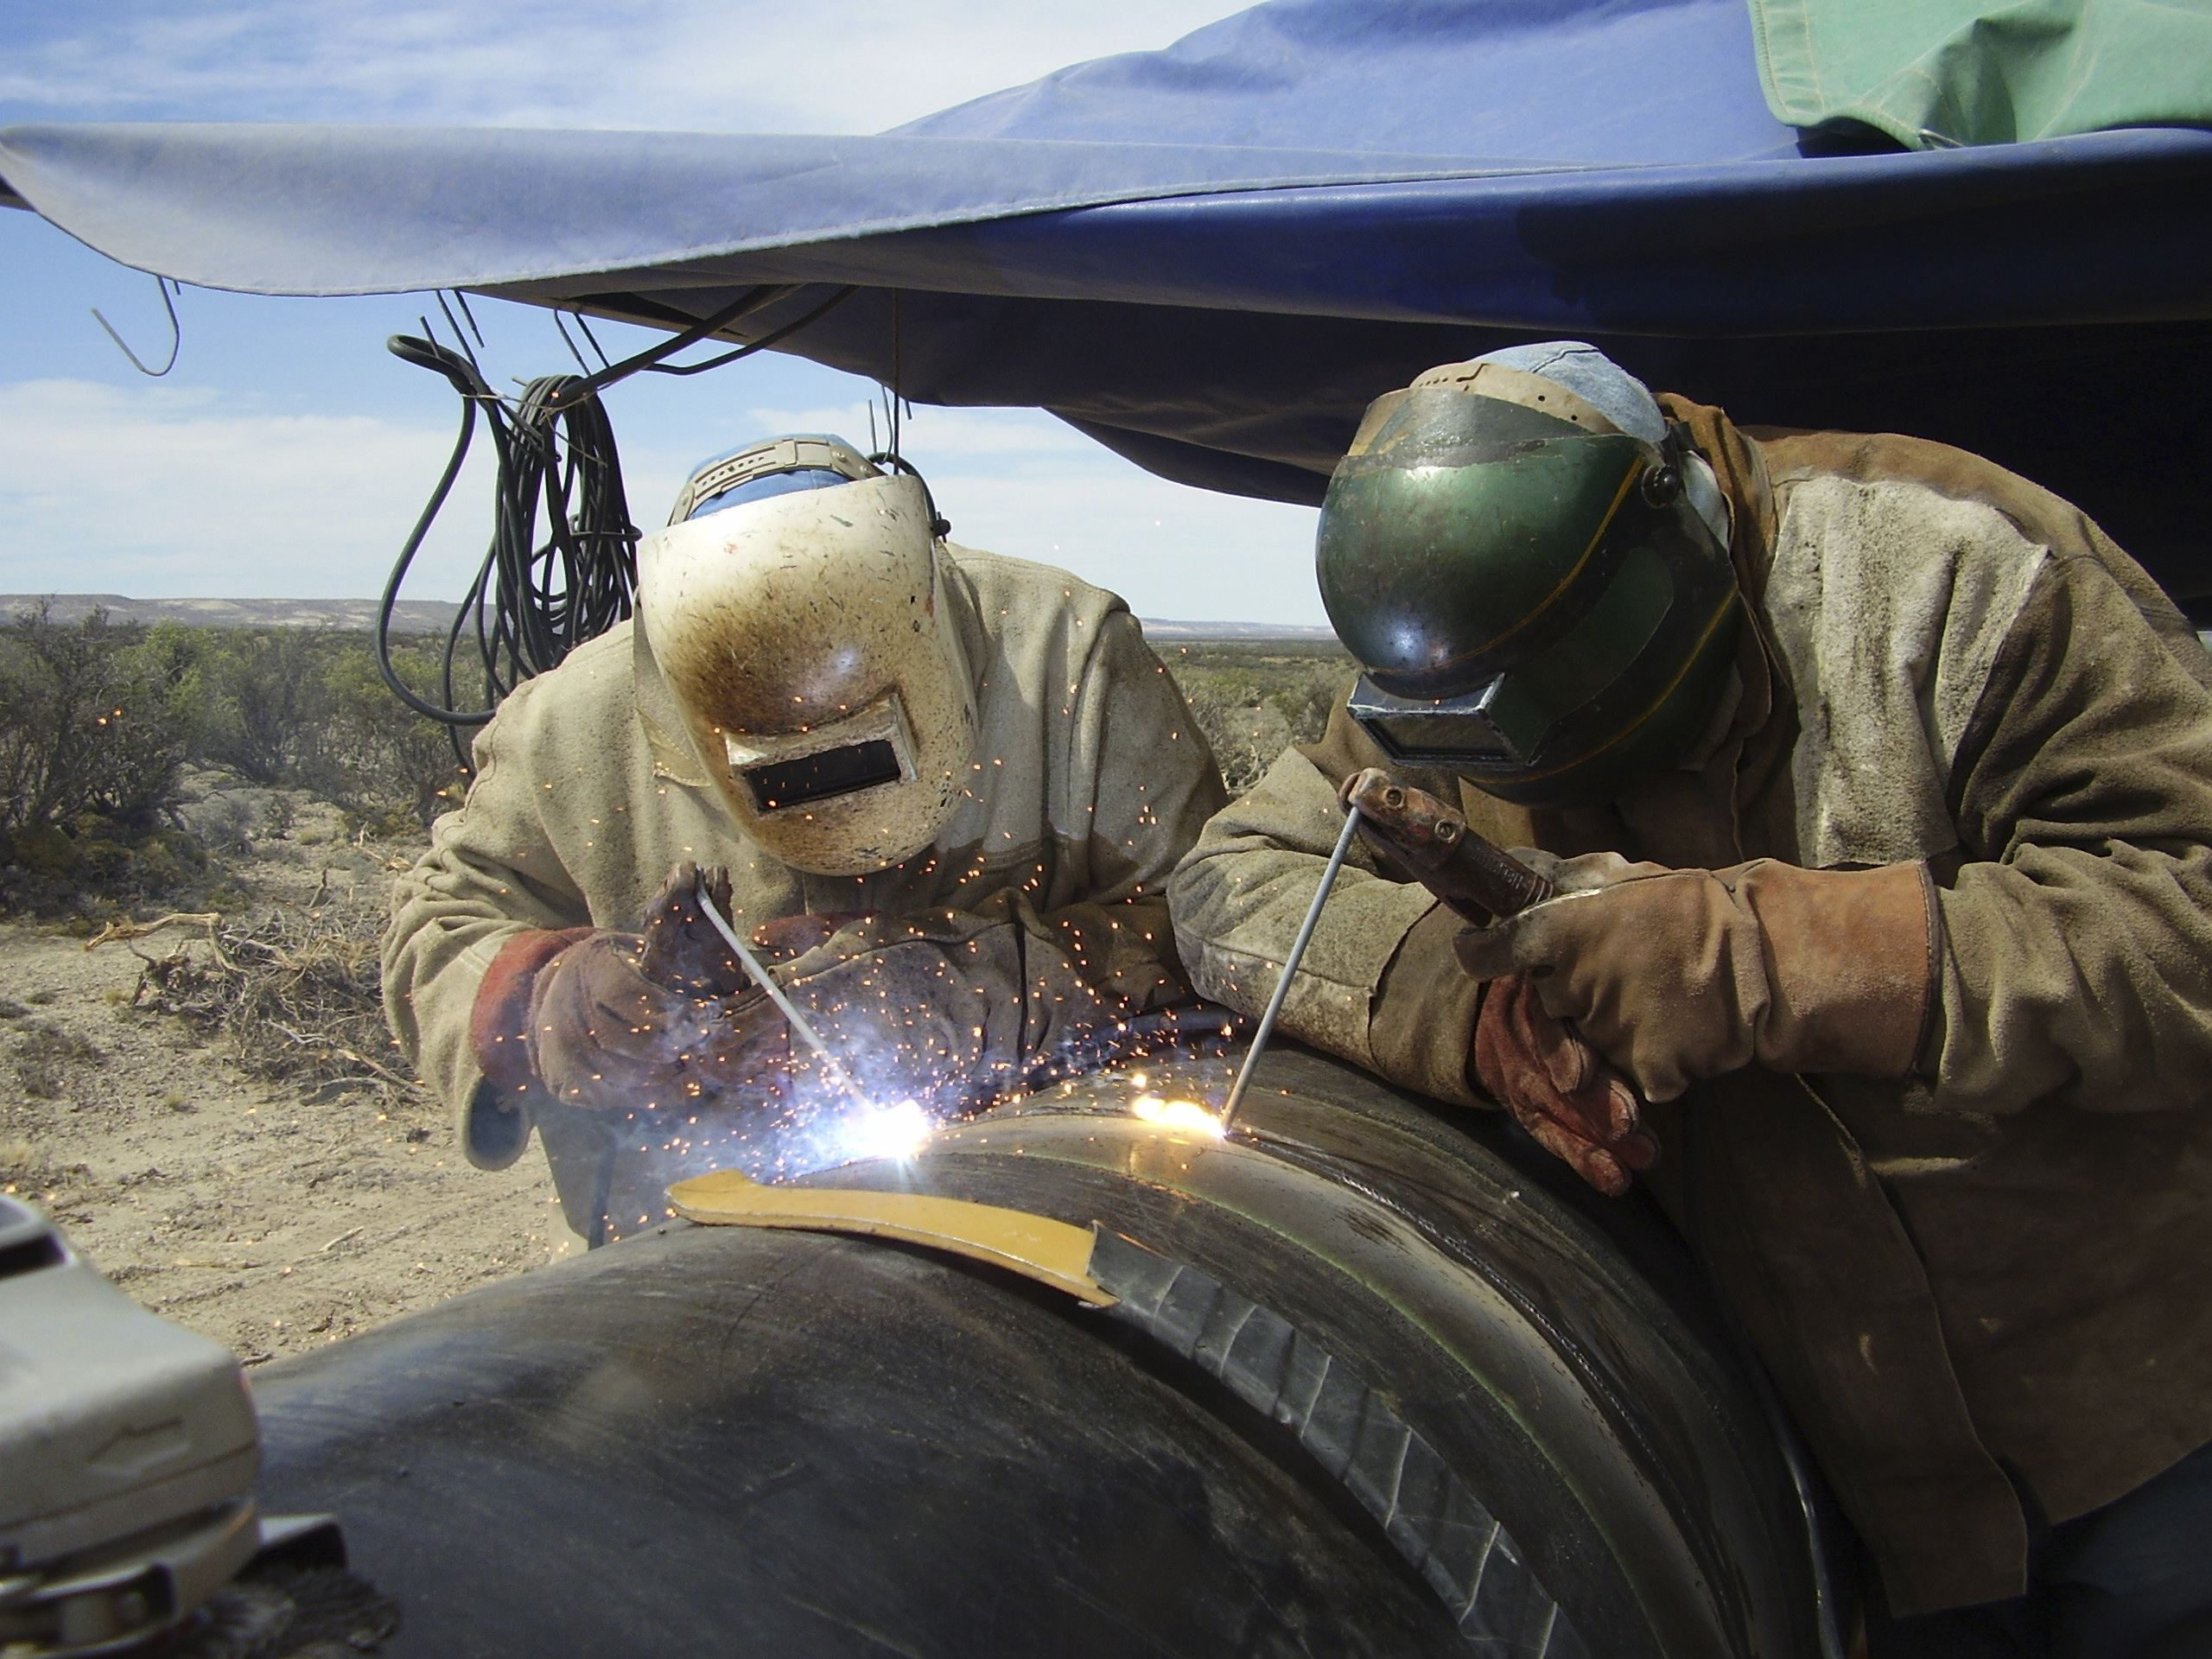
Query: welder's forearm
column 1240, row 895
column 2084, row 974
column 2080, row 931
column 450, row 918
column 1236, row 925
column 430, row 980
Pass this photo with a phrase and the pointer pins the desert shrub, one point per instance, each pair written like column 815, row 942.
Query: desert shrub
column 93, row 724
column 1255, row 699
column 263, row 704
column 101, row 720
column 90, row 724
column 295, row 992
column 397, row 769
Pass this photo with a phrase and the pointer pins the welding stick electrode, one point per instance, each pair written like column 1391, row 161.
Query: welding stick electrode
column 785, row 1006
column 1290, row 967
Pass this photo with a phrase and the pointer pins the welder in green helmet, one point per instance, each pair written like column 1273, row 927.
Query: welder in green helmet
column 1878, row 784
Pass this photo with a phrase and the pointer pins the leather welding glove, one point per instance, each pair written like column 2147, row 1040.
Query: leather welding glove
column 1675, row 976
column 667, row 1016
column 1577, row 1108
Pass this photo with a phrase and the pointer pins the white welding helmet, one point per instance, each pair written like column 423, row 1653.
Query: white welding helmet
column 793, row 605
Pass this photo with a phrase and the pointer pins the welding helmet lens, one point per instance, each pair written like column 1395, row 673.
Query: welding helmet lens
column 841, row 770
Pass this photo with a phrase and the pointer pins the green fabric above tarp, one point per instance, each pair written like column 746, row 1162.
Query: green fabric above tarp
column 1936, row 73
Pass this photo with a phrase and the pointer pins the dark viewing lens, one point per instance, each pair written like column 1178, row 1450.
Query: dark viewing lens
column 1468, row 735
column 821, row 776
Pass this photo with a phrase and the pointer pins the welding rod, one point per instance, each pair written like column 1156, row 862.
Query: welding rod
column 1290, row 967
column 781, row 998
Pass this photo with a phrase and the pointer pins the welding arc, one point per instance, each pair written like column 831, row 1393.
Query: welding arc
column 1289, row 967
column 778, row 996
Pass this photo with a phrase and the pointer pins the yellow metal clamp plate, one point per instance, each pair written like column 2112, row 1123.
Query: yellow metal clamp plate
column 1052, row 1252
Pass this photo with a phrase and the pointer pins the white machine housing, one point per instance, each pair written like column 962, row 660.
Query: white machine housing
column 128, row 1452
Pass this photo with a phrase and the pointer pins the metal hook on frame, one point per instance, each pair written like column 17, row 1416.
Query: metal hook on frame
column 176, row 333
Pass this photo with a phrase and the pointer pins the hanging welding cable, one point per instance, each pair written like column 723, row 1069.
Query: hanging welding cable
column 891, row 454
column 535, row 598
column 169, row 290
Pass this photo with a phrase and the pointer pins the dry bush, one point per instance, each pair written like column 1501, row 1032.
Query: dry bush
column 127, row 753
column 88, row 725
column 295, row 991
column 1246, row 736
column 396, row 770
column 1253, row 699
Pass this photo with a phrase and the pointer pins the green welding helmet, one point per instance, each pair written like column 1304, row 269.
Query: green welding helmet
column 1541, row 603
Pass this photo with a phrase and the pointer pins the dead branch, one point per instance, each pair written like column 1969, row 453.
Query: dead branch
column 296, row 993
column 115, row 932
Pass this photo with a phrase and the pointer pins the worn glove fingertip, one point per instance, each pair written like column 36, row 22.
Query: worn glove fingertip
column 1604, row 1171
column 1485, row 952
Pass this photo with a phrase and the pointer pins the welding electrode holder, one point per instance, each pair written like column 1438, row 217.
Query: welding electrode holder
column 1434, row 842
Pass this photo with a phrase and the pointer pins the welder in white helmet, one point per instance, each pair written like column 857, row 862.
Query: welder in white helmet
column 942, row 788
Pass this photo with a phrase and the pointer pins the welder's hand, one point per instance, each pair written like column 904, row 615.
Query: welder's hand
column 1675, row 976
column 666, row 1017
column 603, row 1034
column 1585, row 874
column 1579, row 1109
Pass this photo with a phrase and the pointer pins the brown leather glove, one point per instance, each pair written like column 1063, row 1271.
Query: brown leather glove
column 1577, row 1108
column 499, row 1021
column 667, row 1016
column 1679, row 974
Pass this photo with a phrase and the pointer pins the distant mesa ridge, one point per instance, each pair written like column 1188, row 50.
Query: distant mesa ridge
column 436, row 616
column 409, row 616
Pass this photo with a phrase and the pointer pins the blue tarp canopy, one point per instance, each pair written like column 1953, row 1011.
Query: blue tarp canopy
column 1210, row 258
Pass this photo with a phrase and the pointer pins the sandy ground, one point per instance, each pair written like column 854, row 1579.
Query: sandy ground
column 272, row 1219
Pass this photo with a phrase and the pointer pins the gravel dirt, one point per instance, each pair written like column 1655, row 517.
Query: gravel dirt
column 273, row 1217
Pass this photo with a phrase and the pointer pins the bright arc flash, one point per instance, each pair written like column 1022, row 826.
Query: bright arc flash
column 891, row 1131
column 1177, row 1114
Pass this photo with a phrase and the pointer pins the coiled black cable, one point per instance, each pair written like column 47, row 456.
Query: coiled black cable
column 534, row 600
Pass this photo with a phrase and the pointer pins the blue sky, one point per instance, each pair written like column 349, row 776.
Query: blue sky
column 287, row 454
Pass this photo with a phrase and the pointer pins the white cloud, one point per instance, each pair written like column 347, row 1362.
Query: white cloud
column 152, row 491
column 1018, row 481
column 159, row 491
column 1170, row 550
column 834, row 65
